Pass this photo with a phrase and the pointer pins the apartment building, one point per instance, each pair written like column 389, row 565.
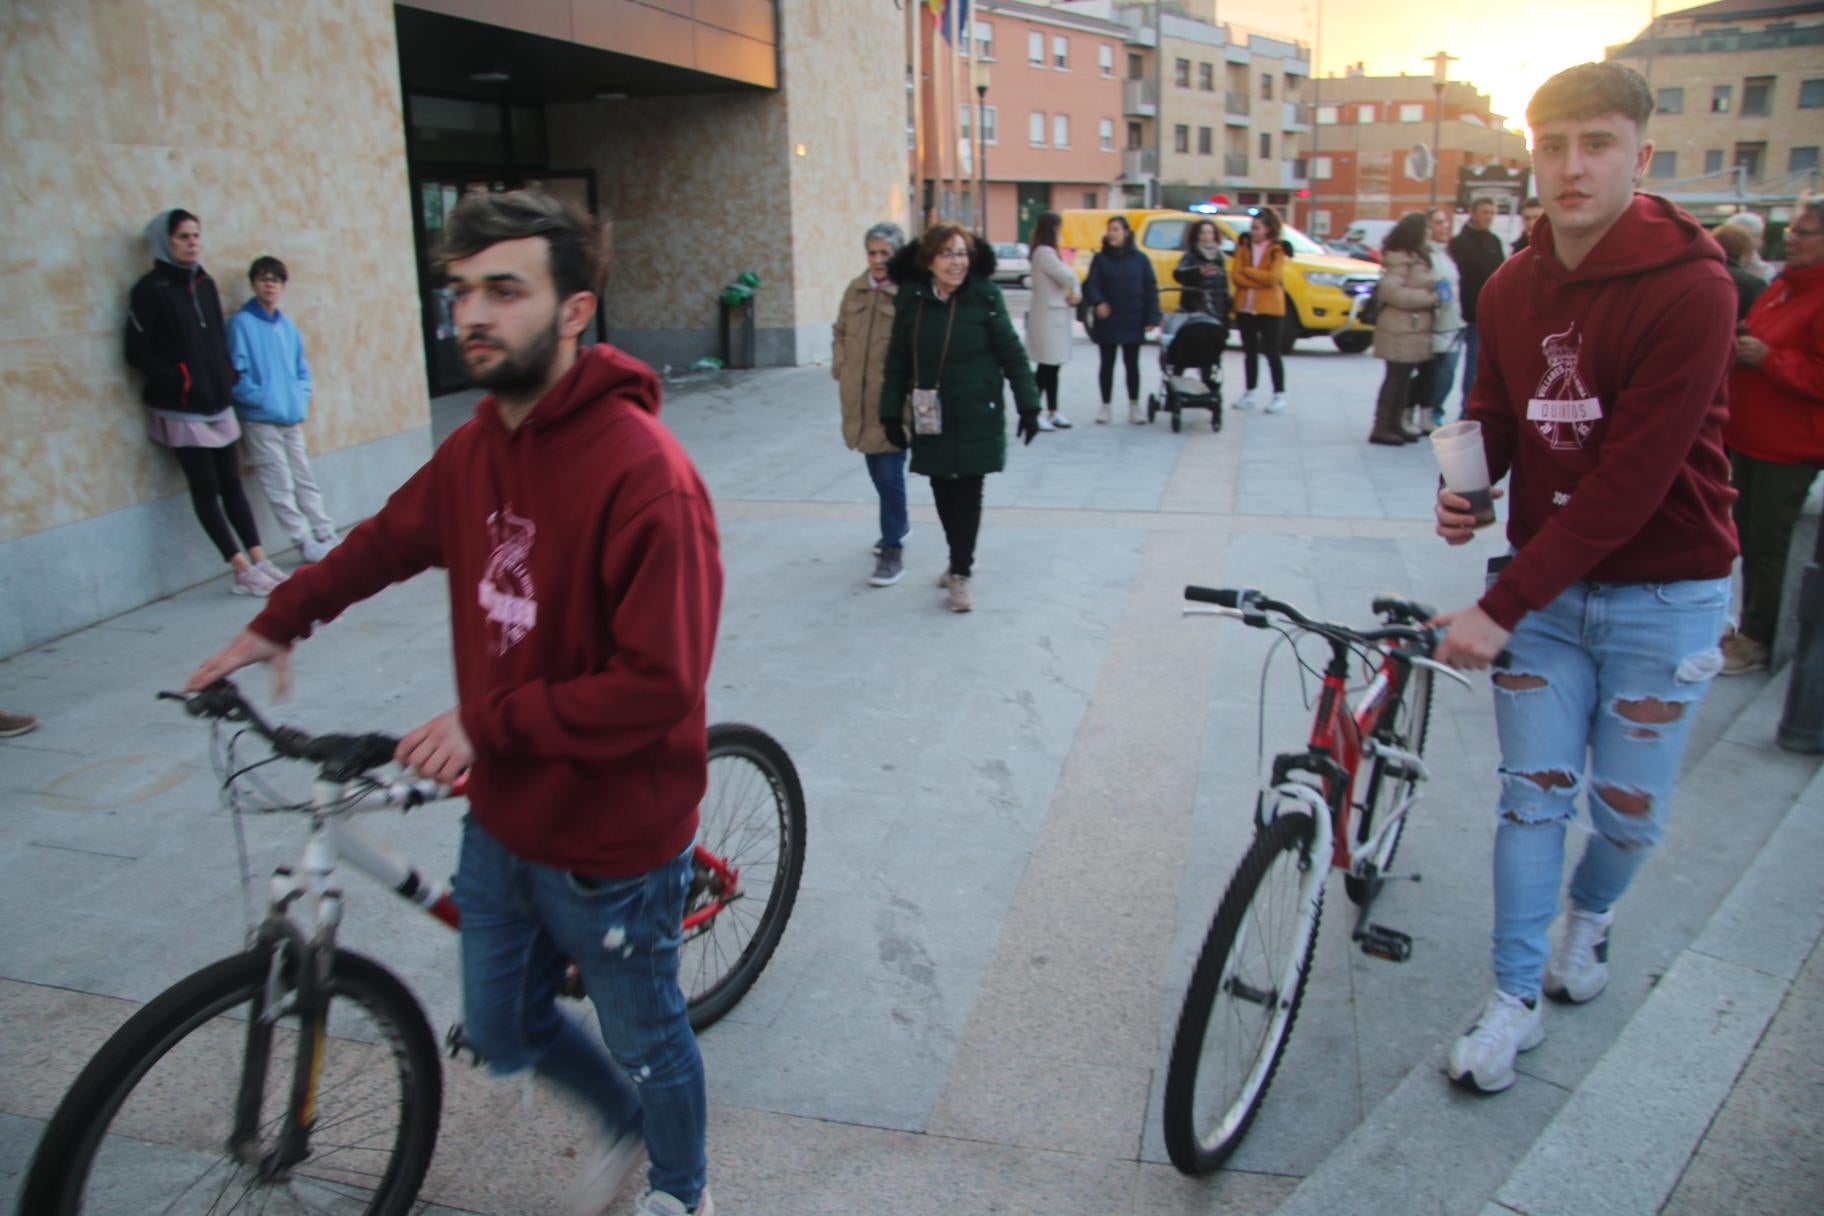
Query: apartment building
column 1740, row 91
column 1365, row 131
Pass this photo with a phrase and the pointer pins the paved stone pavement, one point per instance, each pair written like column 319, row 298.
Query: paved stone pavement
column 1020, row 819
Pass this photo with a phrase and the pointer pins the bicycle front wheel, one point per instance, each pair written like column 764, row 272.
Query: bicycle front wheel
column 752, row 823
column 150, row 1124
column 1391, row 786
column 1244, row 994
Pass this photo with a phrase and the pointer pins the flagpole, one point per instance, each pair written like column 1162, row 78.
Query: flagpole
column 953, row 61
column 915, row 201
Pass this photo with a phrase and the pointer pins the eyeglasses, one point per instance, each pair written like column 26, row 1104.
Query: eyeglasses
column 1792, row 232
column 953, row 253
column 267, row 278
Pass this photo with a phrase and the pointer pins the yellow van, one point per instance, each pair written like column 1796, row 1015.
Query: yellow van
column 1323, row 289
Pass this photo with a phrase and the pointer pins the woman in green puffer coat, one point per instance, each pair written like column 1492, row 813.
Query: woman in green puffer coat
column 951, row 333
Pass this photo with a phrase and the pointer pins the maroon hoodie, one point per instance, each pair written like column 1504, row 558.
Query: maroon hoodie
column 1602, row 389
column 585, row 583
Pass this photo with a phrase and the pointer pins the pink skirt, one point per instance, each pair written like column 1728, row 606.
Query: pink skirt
column 175, row 430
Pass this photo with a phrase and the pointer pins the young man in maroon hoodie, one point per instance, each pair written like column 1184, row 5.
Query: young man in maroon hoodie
column 1606, row 348
column 585, row 584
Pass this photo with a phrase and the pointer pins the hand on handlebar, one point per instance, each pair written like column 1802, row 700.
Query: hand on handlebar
column 439, row 750
column 1456, row 519
column 247, row 649
column 1472, row 641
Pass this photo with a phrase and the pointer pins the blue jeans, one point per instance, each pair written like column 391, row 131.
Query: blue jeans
column 888, row 469
column 1444, row 378
column 1607, row 678
column 1472, row 342
column 520, row 922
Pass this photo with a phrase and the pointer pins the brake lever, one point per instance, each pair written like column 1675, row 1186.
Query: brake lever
column 1443, row 669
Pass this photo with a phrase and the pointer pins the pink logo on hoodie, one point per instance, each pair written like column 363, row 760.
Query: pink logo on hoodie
column 505, row 592
column 1562, row 407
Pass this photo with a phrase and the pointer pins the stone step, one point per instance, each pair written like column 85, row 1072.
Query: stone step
column 1431, row 1148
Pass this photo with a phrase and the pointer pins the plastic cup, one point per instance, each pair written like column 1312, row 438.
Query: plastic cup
column 1464, row 464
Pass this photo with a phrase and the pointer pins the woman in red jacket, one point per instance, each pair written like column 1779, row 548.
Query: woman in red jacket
column 1776, row 430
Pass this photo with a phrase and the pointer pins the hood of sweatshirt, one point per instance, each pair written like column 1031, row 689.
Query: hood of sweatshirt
column 600, row 372
column 1652, row 234
column 158, row 242
column 904, row 268
column 254, row 308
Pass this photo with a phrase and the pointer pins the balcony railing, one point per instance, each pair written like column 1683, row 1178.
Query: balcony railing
column 1139, row 97
column 1297, row 116
column 1138, row 163
column 1234, row 164
column 1237, row 102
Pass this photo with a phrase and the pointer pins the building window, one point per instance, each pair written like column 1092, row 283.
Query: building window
column 984, row 40
column 1266, row 86
column 1181, row 138
column 1412, row 111
column 1105, row 55
column 1035, row 129
column 1090, row 200
column 1748, row 158
column 988, row 124
column 1181, row 73
column 1671, row 101
column 1757, row 97
column 1320, row 221
column 1799, row 160
column 1035, row 49
column 1266, row 146
column 1060, row 130
column 1105, row 134
column 1327, row 116
column 1136, row 137
column 1320, row 168
column 1665, row 164
column 1713, row 161
column 1722, row 97
column 1365, row 113
column 1203, row 141
column 1060, row 52
column 1136, row 66
column 1206, row 77
column 1811, row 94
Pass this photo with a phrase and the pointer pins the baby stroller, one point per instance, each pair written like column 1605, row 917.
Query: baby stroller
column 1190, row 368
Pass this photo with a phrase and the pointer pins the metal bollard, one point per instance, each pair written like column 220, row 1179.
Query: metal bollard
column 1802, row 724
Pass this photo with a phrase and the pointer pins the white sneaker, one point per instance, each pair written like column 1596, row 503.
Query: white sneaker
column 1578, row 970
column 1277, row 404
column 658, row 1203
column 1046, row 424
column 1483, row 1059
column 315, row 549
column 603, row 1176
column 1246, row 402
column 1102, row 415
column 252, row 581
column 1060, row 422
column 271, row 571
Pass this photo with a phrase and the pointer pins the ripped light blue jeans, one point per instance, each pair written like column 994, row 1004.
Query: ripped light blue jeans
column 1599, row 701
column 520, row 921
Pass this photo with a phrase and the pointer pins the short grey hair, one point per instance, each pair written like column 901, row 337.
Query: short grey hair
column 886, row 231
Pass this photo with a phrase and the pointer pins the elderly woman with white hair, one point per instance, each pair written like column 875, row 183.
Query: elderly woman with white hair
column 858, row 360
column 1755, row 227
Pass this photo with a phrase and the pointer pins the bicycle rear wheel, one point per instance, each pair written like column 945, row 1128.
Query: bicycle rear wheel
column 147, row 1125
column 753, row 822
column 1244, row 994
column 1391, row 786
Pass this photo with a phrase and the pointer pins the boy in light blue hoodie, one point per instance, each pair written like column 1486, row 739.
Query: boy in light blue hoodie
column 272, row 398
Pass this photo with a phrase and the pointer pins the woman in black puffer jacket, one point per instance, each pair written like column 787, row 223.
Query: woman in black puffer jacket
column 1123, row 298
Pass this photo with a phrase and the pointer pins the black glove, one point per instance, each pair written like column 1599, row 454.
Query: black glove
column 896, row 432
column 1029, row 426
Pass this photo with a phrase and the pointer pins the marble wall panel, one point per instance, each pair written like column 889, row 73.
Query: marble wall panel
column 280, row 126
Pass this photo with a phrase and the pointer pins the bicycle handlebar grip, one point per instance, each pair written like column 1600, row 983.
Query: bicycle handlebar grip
column 1222, row 597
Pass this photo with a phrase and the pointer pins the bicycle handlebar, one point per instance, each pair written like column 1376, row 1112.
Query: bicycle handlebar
column 1254, row 607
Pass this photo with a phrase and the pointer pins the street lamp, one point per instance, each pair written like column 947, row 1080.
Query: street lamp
column 979, row 77
column 1440, row 73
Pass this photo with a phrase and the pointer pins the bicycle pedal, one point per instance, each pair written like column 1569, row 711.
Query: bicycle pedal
column 1379, row 941
column 455, row 1043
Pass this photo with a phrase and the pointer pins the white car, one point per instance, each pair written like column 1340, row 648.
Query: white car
column 1013, row 263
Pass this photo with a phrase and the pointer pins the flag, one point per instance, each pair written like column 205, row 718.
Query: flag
column 962, row 17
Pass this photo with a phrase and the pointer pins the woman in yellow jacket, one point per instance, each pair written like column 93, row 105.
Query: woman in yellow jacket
column 1256, row 272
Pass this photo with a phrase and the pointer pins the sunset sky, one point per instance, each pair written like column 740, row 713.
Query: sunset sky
column 1506, row 49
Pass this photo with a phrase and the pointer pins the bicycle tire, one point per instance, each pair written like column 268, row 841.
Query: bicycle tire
column 1412, row 724
column 1219, row 978
column 143, row 1126
column 753, row 817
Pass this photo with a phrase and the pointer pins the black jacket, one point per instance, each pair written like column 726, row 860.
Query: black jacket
column 1748, row 288
column 175, row 335
column 1478, row 255
column 1123, row 279
column 1203, row 293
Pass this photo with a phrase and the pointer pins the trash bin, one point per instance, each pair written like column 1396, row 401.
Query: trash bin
column 736, row 304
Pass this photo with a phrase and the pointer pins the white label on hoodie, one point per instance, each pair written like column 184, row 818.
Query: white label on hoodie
column 1562, row 406
column 505, row 592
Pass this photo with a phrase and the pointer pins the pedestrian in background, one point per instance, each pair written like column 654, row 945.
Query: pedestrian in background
column 953, row 352
column 858, row 361
column 1738, row 247
column 1202, row 273
column 1530, row 211
column 1123, row 296
column 1477, row 252
column 1446, row 321
column 1775, row 431
column 272, row 399
column 1256, row 280
column 1402, row 327
column 1756, row 228
column 1049, row 317
column 175, row 335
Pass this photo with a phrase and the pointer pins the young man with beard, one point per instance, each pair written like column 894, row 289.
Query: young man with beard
column 1606, row 348
column 585, row 584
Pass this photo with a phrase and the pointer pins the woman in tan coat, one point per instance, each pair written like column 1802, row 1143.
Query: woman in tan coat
column 1257, row 286
column 1402, row 328
column 858, row 360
